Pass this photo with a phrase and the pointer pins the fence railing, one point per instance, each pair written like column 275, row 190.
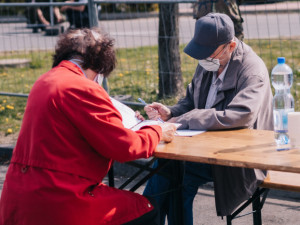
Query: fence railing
column 135, row 26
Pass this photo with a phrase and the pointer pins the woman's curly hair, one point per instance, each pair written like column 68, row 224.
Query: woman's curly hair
column 94, row 47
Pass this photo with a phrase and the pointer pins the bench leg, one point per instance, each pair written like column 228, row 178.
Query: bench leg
column 257, row 205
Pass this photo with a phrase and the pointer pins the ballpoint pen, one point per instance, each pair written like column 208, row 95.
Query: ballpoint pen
column 142, row 101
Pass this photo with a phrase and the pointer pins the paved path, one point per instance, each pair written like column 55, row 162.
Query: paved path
column 281, row 208
column 271, row 8
column 144, row 31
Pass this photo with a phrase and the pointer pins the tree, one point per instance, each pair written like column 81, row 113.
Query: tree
column 170, row 77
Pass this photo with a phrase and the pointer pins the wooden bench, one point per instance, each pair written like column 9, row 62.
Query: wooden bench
column 282, row 181
column 275, row 180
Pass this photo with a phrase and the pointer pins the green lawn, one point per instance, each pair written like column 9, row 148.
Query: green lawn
column 136, row 75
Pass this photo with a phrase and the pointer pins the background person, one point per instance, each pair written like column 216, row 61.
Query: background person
column 78, row 16
column 230, row 89
column 70, row 136
column 41, row 15
column 228, row 7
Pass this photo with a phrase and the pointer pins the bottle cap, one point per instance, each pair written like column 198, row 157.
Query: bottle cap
column 281, row 60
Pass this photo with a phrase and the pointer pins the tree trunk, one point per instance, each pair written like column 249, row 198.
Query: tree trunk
column 170, row 77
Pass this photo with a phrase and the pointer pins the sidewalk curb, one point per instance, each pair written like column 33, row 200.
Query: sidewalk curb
column 122, row 16
column 262, row 9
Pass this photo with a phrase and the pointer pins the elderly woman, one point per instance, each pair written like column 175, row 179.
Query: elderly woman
column 70, row 136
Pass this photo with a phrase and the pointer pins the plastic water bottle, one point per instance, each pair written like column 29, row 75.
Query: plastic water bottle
column 283, row 102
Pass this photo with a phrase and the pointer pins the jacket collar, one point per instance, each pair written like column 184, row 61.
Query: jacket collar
column 231, row 76
column 71, row 66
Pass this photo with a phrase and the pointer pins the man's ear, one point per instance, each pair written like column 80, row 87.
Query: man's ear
column 232, row 46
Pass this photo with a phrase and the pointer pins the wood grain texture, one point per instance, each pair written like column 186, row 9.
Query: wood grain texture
column 282, row 181
column 239, row 148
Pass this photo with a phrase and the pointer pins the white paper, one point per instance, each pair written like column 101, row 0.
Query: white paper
column 145, row 123
column 129, row 119
column 188, row 133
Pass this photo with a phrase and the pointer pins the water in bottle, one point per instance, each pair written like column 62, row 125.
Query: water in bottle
column 283, row 102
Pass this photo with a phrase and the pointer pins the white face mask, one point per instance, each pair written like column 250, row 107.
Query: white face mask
column 211, row 64
column 99, row 79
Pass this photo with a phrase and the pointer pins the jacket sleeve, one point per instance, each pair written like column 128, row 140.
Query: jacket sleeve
column 241, row 112
column 100, row 124
column 186, row 104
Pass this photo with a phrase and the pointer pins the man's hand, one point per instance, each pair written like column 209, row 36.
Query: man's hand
column 157, row 110
column 168, row 131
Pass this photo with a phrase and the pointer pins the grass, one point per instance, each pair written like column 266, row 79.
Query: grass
column 136, row 75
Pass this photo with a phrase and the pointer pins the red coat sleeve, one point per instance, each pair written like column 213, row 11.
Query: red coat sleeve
column 92, row 113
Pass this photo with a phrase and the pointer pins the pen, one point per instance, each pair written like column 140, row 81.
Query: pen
column 142, row 101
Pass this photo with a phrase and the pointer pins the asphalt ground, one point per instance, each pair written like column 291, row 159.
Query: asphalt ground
column 281, row 207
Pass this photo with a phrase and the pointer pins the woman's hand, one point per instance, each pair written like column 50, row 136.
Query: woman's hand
column 168, row 131
column 157, row 110
column 139, row 116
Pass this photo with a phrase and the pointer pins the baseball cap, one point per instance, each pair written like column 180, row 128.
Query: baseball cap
column 211, row 31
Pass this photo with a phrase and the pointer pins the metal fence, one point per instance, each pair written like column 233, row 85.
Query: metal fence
column 272, row 30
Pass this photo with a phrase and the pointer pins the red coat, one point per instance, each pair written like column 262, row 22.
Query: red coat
column 70, row 135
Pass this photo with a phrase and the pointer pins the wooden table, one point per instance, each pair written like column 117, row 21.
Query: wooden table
column 240, row 148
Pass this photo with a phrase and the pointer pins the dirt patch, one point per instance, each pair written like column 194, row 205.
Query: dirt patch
column 10, row 139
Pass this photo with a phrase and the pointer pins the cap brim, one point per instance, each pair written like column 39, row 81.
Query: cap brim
column 199, row 51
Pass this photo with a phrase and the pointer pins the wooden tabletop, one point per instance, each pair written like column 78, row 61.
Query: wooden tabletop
column 239, row 148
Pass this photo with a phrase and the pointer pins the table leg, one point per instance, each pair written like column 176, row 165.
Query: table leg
column 177, row 197
column 111, row 177
column 256, row 212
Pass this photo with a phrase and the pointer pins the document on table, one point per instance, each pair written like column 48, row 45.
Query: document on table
column 130, row 121
column 188, row 133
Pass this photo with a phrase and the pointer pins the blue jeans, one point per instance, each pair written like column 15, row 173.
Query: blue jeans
column 158, row 187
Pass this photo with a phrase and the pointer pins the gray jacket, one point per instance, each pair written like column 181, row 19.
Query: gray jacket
column 244, row 101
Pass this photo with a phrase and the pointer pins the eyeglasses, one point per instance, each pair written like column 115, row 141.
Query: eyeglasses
column 221, row 51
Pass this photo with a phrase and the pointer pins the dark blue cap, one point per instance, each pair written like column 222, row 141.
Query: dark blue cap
column 211, row 31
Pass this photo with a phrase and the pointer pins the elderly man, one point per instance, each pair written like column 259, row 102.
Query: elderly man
column 230, row 90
